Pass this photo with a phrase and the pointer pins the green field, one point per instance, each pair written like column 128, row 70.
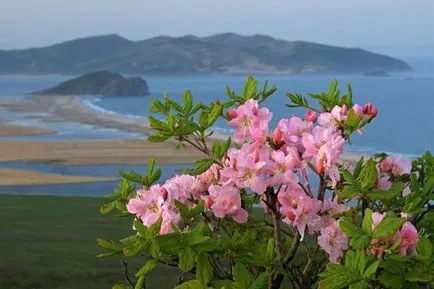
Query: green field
column 50, row 242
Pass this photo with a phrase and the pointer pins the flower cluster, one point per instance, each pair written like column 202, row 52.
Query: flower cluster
column 275, row 164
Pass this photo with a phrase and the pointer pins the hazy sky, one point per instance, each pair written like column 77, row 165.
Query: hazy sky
column 396, row 27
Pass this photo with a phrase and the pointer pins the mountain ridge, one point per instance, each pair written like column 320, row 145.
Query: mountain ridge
column 226, row 53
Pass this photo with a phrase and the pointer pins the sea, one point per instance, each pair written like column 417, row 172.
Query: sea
column 404, row 124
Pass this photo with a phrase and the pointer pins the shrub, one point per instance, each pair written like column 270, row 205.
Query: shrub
column 278, row 207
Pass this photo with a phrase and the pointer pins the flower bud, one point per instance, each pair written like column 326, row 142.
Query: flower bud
column 310, row 116
column 344, row 110
column 231, row 113
column 277, row 136
column 369, row 109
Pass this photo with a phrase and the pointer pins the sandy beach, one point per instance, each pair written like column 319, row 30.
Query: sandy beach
column 12, row 177
column 96, row 152
column 20, row 130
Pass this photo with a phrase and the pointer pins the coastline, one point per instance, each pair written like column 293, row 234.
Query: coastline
column 58, row 109
column 14, row 177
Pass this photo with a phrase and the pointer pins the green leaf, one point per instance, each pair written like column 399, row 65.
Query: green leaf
column 131, row 176
column 260, row 282
column 385, row 195
column 158, row 138
column 188, row 102
column 337, row 277
column 203, row 269
column 202, row 166
column 360, row 242
column 128, row 241
column 424, row 247
column 147, row 268
column 106, row 244
column 216, row 111
column 107, row 208
column 241, row 276
column 368, row 175
column 371, row 270
column 196, row 235
column 121, row 286
column 192, row 284
column 359, row 238
column 250, row 88
column 270, row 253
column 388, row 226
column 196, row 210
column 359, row 167
column 157, row 124
column 359, row 285
column 155, row 176
column 367, row 221
column 186, row 259
column 350, row 229
column 348, row 192
column 140, row 283
column 207, row 246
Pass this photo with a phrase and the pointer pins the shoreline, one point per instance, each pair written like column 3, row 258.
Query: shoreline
column 70, row 108
column 15, row 177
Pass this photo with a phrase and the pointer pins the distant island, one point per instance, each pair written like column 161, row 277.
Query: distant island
column 376, row 73
column 226, row 53
column 102, row 83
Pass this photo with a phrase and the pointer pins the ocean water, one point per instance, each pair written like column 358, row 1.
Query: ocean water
column 404, row 124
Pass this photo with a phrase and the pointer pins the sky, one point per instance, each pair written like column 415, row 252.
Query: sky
column 395, row 27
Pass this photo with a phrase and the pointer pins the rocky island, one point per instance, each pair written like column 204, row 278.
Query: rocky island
column 103, row 83
column 226, row 53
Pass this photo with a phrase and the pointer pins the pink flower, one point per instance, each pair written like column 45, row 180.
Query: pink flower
column 324, row 148
column 310, row 116
column 183, row 187
column 357, row 109
column 384, row 183
column 246, row 168
column 249, row 121
column 333, row 241
column 331, row 119
column 409, row 237
column 291, row 130
column 377, row 218
column 283, row 166
column 170, row 218
column 299, row 209
column 226, row 201
column 396, row 166
column 210, row 176
column 333, row 207
column 147, row 205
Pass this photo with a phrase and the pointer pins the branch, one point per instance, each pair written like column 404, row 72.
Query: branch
column 321, row 189
column 127, row 277
column 277, row 278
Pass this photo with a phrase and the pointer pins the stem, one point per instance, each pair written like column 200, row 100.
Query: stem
column 277, row 278
column 309, row 264
column 321, row 189
column 127, row 276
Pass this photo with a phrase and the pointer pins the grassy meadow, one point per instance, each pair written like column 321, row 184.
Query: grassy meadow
column 50, row 242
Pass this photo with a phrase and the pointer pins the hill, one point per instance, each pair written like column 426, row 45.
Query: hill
column 222, row 53
column 100, row 83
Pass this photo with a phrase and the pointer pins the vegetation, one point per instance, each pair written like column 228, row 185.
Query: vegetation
column 50, row 242
column 364, row 226
column 100, row 83
column 221, row 53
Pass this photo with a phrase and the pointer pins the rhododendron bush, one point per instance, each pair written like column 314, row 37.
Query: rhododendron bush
column 278, row 206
